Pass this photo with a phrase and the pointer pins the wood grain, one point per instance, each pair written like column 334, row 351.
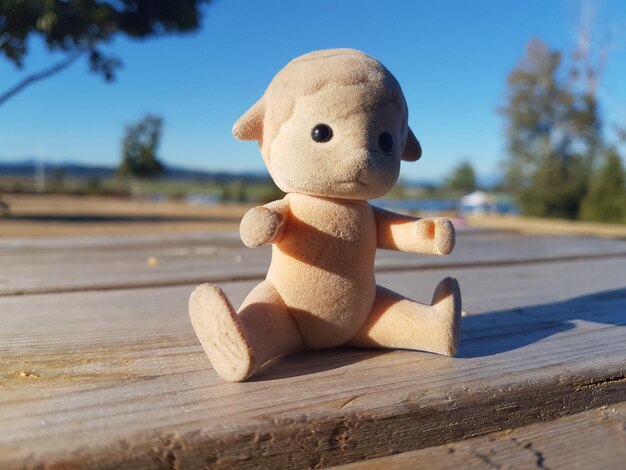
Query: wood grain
column 592, row 439
column 102, row 263
column 105, row 379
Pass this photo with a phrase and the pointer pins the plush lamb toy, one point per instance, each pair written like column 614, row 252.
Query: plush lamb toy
column 332, row 129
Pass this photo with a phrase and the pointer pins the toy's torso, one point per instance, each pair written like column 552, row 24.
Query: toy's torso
column 323, row 267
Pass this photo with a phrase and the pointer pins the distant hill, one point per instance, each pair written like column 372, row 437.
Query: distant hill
column 26, row 168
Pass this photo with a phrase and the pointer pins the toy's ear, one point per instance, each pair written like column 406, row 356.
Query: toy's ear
column 250, row 125
column 412, row 148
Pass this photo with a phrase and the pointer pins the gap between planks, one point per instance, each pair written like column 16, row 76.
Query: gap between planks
column 258, row 276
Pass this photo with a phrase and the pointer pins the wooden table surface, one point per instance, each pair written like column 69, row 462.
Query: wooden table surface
column 100, row 368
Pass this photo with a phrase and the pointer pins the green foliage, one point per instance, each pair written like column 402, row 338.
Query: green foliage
column 556, row 189
column 83, row 26
column 234, row 191
column 553, row 133
column 225, row 193
column 462, row 178
column 240, row 192
column 139, row 149
column 94, row 185
column 606, row 199
column 270, row 193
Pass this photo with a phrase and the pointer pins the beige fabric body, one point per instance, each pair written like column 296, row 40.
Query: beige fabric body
column 323, row 267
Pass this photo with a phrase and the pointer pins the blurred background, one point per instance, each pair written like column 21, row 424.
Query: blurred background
column 116, row 116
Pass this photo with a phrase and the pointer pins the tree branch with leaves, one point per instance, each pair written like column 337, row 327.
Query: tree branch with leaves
column 553, row 135
column 83, row 28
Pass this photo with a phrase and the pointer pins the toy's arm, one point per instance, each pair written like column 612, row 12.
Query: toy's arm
column 433, row 236
column 264, row 224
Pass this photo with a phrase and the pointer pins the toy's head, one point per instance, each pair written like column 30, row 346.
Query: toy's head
column 332, row 123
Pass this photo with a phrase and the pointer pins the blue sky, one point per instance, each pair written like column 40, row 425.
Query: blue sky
column 451, row 58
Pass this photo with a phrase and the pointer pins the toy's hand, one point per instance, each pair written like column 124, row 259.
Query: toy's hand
column 260, row 226
column 438, row 230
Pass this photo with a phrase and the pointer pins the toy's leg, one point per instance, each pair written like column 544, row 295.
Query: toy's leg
column 239, row 343
column 397, row 322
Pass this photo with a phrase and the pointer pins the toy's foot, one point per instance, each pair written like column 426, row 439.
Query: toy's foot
column 447, row 301
column 398, row 322
column 215, row 322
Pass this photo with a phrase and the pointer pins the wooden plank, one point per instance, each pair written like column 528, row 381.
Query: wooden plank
column 80, row 263
column 117, row 378
column 592, row 439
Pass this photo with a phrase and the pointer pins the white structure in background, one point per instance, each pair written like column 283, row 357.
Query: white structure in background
column 478, row 202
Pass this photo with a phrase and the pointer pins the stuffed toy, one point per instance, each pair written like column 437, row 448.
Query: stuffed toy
column 332, row 128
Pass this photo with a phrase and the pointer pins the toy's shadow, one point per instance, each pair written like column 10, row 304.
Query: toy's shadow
column 505, row 330
column 481, row 334
column 311, row 361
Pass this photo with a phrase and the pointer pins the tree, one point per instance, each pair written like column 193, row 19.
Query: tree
column 139, row 149
column 606, row 199
column 81, row 28
column 462, row 178
column 553, row 134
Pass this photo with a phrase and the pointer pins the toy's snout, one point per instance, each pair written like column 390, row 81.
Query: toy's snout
column 362, row 174
column 365, row 174
column 363, row 166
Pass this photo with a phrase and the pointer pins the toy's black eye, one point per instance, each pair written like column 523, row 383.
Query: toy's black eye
column 386, row 142
column 321, row 133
